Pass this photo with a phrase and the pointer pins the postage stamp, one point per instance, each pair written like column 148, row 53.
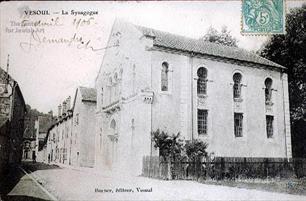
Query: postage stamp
column 263, row 17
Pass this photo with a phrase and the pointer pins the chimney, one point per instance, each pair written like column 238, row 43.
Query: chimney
column 59, row 110
column 68, row 102
column 64, row 107
column 7, row 75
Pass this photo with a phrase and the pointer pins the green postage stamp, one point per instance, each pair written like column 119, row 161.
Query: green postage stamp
column 263, row 16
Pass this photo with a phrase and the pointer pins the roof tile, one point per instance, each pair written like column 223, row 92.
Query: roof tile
column 88, row 94
column 177, row 42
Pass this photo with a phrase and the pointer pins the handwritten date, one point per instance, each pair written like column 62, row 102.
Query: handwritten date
column 36, row 40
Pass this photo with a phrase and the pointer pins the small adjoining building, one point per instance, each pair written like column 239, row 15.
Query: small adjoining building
column 36, row 125
column 70, row 140
column 12, row 113
column 234, row 100
column 41, row 128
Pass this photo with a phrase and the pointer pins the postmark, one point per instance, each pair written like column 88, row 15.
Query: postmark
column 263, row 17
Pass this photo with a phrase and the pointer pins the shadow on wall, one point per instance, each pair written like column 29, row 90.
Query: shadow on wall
column 4, row 143
column 15, row 175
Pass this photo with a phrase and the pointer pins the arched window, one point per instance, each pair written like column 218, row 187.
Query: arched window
column 116, row 77
column 164, row 76
column 202, row 81
column 268, row 90
column 133, row 124
column 116, row 85
column 237, row 85
column 113, row 124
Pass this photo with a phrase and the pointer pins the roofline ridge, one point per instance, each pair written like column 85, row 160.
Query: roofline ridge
column 208, row 43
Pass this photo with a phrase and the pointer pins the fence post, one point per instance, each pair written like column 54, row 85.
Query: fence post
column 222, row 168
column 266, row 167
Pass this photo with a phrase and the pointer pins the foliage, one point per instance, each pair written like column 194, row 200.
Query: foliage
column 289, row 51
column 46, row 120
column 169, row 146
column 224, row 37
column 196, row 149
column 174, row 148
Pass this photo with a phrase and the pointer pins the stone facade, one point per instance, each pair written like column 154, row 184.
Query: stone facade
column 153, row 80
column 12, row 112
column 59, row 140
column 70, row 140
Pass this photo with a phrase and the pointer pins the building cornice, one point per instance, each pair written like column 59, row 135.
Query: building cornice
column 215, row 58
column 113, row 107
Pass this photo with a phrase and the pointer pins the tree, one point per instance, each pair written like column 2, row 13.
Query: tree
column 224, row 37
column 289, row 50
column 169, row 146
column 196, row 149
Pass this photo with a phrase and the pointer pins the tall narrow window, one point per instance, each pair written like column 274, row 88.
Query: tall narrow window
column 202, row 81
column 76, row 119
column 116, row 86
column 269, row 126
column 102, row 96
column 110, row 89
column 133, row 132
column 237, row 85
column 164, row 76
column 238, row 123
column 134, row 78
column 268, row 90
column 202, row 122
column 100, row 136
column 113, row 127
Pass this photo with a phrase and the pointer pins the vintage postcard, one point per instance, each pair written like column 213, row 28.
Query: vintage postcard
column 153, row 100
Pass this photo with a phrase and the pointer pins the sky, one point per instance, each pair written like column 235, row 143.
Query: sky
column 48, row 72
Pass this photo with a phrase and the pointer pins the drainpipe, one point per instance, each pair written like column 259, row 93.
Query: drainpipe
column 191, row 78
column 151, row 108
column 284, row 109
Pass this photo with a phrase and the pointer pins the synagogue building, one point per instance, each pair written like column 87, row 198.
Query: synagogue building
column 234, row 100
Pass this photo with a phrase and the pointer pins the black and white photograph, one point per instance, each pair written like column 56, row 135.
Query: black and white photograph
column 153, row 100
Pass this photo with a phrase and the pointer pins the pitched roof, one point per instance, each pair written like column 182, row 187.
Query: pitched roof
column 177, row 42
column 88, row 94
column 4, row 75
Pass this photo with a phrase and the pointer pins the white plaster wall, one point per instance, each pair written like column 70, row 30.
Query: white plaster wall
column 176, row 110
column 87, row 141
column 84, row 132
column 254, row 142
column 129, row 55
column 134, row 143
column 169, row 109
